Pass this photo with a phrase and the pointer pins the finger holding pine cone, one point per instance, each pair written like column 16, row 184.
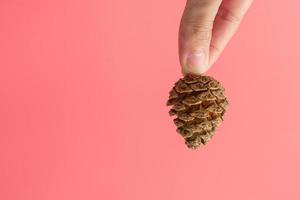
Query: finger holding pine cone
column 199, row 103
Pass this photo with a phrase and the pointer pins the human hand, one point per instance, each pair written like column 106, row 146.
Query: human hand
column 205, row 29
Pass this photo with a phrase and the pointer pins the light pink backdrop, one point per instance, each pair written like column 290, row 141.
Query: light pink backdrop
column 83, row 85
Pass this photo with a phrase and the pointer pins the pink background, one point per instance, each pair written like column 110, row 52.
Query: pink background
column 83, row 85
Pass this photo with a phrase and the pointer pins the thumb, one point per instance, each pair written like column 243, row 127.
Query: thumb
column 195, row 34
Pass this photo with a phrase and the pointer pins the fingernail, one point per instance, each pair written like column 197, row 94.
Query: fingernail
column 196, row 62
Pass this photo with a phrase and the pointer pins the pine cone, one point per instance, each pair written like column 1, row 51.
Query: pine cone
column 199, row 103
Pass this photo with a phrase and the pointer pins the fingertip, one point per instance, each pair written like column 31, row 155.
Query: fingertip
column 195, row 62
column 187, row 70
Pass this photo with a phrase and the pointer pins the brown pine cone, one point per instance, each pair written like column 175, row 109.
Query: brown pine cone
column 199, row 103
